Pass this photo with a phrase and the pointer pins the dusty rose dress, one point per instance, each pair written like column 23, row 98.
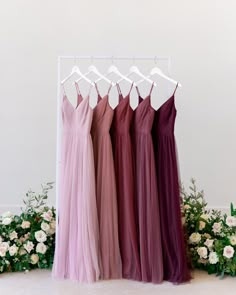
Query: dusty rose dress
column 123, row 160
column 146, row 193
column 110, row 264
column 173, row 244
column 77, row 254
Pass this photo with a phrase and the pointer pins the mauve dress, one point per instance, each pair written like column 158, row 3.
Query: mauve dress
column 110, row 264
column 123, row 160
column 77, row 253
column 173, row 244
column 146, row 193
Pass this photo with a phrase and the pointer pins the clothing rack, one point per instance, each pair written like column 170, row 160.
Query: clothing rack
column 59, row 119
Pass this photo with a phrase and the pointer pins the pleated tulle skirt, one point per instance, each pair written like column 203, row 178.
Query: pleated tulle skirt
column 110, row 265
column 174, row 248
column 123, row 160
column 148, row 214
column 77, row 253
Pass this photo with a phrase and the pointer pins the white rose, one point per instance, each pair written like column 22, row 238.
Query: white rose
column 47, row 215
column 186, row 207
column 213, row 258
column 183, row 220
column 34, row 258
column 195, row 238
column 205, row 217
column 13, row 250
column 6, row 221
column 228, row 252
column 45, row 226
column 202, row 225
column 5, row 245
column 40, row 236
column 13, row 235
column 1, row 239
column 233, row 240
column 29, row 246
column 25, row 224
column 216, row 228
column 230, row 221
column 209, row 243
column 22, row 251
column 53, row 224
column 2, row 251
column 202, row 252
column 206, row 235
column 41, row 248
column 7, row 214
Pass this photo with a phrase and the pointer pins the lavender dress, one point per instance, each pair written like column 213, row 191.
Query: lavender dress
column 76, row 254
column 173, row 244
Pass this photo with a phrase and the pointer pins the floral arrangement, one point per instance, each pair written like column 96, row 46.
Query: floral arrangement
column 211, row 235
column 27, row 240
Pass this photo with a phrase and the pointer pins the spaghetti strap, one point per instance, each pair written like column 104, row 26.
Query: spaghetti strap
column 151, row 89
column 131, row 88
column 175, row 88
column 77, row 88
column 118, row 88
column 96, row 86
column 136, row 87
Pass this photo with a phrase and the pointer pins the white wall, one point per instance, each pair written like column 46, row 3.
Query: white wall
column 200, row 37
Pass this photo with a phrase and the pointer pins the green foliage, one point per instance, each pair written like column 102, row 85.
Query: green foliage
column 211, row 235
column 27, row 241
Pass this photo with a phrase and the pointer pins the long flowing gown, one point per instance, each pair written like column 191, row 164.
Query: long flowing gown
column 77, row 253
column 173, row 244
column 110, row 266
column 146, row 193
column 123, row 160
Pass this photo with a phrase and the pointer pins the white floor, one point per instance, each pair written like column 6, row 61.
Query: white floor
column 40, row 282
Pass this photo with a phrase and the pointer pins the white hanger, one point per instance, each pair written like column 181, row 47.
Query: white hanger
column 76, row 70
column 93, row 69
column 135, row 70
column 158, row 71
column 113, row 70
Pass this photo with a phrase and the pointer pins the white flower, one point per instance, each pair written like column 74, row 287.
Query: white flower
column 6, row 220
column 228, row 252
column 41, row 248
column 1, row 239
column 233, row 240
column 202, row 252
column 206, row 235
column 45, row 226
column 195, row 238
column 231, row 221
column 2, row 251
column 202, row 225
column 22, row 251
column 34, row 258
column 204, row 216
column 13, row 235
column 25, row 224
column 186, row 207
column 213, row 258
column 209, row 243
column 47, row 215
column 5, row 245
column 7, row 214
column 40, row 236
column 183, row 220
column 29, row 246
column 13, row 250
column 216, row 228
column 53, row 224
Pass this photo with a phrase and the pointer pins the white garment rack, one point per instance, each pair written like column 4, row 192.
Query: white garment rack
column 59, row 100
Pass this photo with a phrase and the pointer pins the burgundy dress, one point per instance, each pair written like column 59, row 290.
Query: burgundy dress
column 146, row 193
column 123, row 161
column 173, row 244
